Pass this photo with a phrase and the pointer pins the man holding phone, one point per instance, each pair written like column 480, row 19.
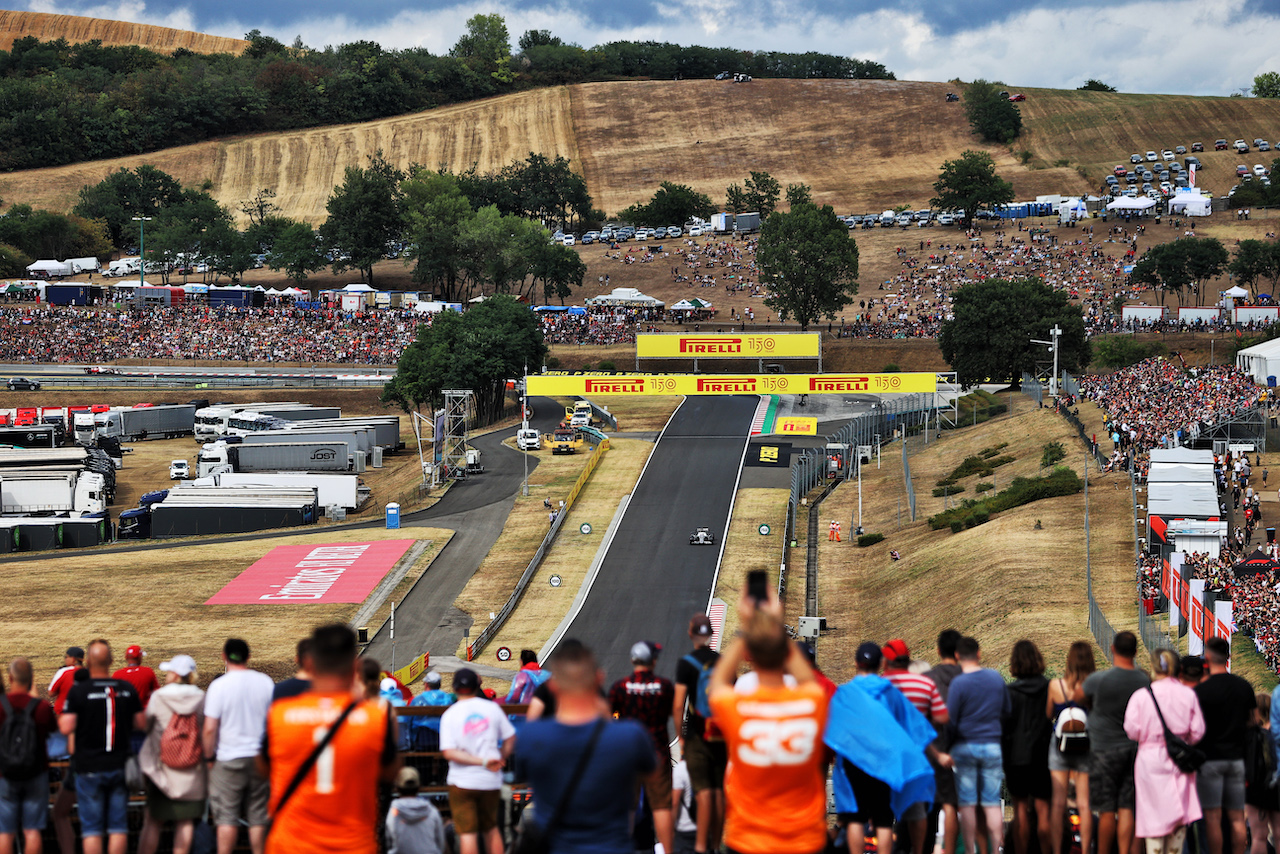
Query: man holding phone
column 775, row 787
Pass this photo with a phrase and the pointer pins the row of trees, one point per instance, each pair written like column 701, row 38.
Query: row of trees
column 66, row 103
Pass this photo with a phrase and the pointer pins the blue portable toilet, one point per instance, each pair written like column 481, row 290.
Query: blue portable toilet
column 1271, row 382
column 393, row 516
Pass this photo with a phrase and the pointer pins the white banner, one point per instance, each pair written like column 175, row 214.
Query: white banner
column 1195, row 638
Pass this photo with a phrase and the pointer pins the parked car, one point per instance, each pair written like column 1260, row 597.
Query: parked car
column 1220, row 145
column 591, row 237
column 1166, row 187
column 643, row 234
column 1240, row 145
column 1242, row 169
column 1259, row 170
column 1197, row 146
column 1135, row 158
column 1131, row 177
column 1194, row 161
column 1152, row 157
column 1263, row 145
column 23, row 384
column 1180, row 149
column 674, row 231
column 1167, row 154
column 1018, row 96
column 946, row 218
column 179, row 470
column 952, row 96
column 1119, row 171
column 660, row 232
column 695, row 231
column 569, row 240
column 606, row 233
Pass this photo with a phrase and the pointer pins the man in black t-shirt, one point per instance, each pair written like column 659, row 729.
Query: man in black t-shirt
column 704, row 750
column 102, row 713
column 1227, row 702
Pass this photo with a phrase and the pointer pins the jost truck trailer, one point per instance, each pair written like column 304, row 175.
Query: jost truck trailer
column 218, row 457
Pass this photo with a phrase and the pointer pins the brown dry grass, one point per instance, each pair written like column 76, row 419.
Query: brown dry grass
column 746, row 549
column 303, row 166
column 156, row 599
column 1001, row 581
column 76, row 29
column 544, row 606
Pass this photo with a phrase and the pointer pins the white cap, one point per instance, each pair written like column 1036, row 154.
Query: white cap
column 183, row 665
column 432, row 678
column 388, row 684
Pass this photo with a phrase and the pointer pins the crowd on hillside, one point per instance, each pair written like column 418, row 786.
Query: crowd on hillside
column 1159, row 403
column 912, row 747
column 597, row 324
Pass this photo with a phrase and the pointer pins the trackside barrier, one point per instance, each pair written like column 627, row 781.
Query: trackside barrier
column 1031, row 388
column 906, row 476
column 891, row 419
column 490, row 631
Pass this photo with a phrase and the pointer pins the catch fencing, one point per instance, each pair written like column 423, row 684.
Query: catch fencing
column 906, row 476
column 894, row 418
column 1031, row 388
column 601, row 444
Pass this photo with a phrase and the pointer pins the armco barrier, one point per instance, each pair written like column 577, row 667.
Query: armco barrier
column 495, row 625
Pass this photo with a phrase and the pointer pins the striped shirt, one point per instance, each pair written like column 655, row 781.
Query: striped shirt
column 921, row 691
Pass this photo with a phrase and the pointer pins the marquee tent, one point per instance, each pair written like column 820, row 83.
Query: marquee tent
column 626, row 297
column 1235, row 291
column 1258, row 563
column 1190, row 203
column 1124, row 203
column 692, row 305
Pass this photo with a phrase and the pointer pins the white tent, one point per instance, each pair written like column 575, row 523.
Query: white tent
column 295, row 292
column 1235, row 291
column 358, row 289
column 1124, row 203
column 1190, row 202
column 625, row 296
column 1070, row 209
column 1260, row 361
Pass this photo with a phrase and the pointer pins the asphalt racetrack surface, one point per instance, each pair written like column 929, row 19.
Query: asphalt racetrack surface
column 651, row 580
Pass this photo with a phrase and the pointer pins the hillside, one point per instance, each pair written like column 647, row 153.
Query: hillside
column 73, row 28
column 862, row 145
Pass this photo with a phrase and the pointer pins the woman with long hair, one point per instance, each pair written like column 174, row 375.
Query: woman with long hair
column 1261, row 801
column 1025, row 747
column 1080, row 663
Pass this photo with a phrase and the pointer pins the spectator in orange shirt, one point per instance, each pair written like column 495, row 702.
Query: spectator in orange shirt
column 774, row 789
column 334, row 808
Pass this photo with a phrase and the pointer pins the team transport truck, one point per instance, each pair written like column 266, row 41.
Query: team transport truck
column 32, row 436
column 219, row 457
column 149, row 422
column 359, row 438
column 191, row 511
column 332, row 488
column 77, row 493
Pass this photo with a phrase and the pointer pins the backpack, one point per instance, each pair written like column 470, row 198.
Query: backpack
column 180, row 746
column 531, row 680
column 19, row 742
column 1070, row 731
column 699, row 699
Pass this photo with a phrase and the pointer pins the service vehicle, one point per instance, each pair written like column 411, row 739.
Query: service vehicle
column 528, row 439
column 179, row 470
column 565, row 440
column 702, row 537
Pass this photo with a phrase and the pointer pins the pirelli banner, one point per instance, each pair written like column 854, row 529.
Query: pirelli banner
column 588, row 385
column 787, row 345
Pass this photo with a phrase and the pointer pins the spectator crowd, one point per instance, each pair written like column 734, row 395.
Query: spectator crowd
column 912, row 749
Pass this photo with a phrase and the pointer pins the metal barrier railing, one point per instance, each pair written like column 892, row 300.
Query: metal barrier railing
column 1031, row 388
column 911, row 487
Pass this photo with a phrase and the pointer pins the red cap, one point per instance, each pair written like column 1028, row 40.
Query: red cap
column 134, row 651
column 895, row 649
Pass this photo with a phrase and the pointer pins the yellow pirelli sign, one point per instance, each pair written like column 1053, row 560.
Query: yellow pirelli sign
column 796, row 426
column 589, row 385
column 798, row 345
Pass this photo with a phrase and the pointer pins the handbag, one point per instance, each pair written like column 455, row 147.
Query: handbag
column 537, row 840
column 1187, row 757
column 305, row 768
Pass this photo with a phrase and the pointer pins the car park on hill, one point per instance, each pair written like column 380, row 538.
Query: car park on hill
column 1180, row 149
column 1017, row 96
column 1220, row 145
column 1152, row 157
column 1242, row 169
column 674, row 231
column 1263, row 145
column 952, row 96
column 1119, row 171
column 1167, row 154
column 1135, row 158
column 1259, row 170
column 591, row 237
column 1197, row 146
column 1240, row 145
column 1193, row 161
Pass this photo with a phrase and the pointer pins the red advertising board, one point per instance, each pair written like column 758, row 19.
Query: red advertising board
column 320, row 573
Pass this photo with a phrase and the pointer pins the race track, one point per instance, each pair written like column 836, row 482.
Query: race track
column 651, row 579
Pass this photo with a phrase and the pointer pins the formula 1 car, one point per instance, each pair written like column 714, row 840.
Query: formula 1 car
column 702, row 537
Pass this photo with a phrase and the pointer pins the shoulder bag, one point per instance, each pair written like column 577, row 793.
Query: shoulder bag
column 305, row 768
column 537, row 840
column 1187, row 757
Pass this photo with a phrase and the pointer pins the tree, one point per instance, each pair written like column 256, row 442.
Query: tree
column 297, row 252
column 1267, row 85
column 968, row 183
column 989, row 337
column 798, row 194
column 123, row 195
column 809, row 261
column 487, row 44
column 1255, row 260
column 671, row 203
column 365, row 217
column 13, row 262
column 1179, row 265
column 261, row 206
column 991, row 114
column 538, row 38
column 762, row 192
column 735, row 199
column 1092, row 85
column 435, row 210
column 480, row 350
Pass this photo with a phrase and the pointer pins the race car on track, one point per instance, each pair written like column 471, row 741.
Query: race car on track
column 702, row 537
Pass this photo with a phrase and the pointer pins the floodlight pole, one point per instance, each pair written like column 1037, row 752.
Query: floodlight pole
column 1056, row 333
column 142, row 247
column 524, row 420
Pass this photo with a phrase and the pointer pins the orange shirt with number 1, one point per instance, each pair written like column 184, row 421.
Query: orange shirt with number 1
column 775, row 794
column 336, row 807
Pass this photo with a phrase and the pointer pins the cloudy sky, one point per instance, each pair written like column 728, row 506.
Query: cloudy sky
column 1208, row 47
